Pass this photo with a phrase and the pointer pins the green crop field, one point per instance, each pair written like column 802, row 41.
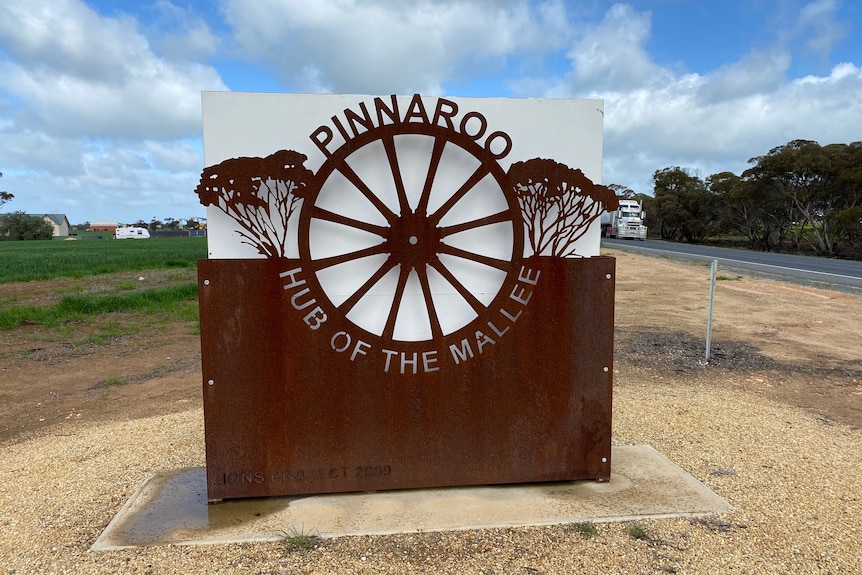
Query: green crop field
column 39, row 260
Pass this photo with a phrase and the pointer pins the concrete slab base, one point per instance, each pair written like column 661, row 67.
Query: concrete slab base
column 171, row 507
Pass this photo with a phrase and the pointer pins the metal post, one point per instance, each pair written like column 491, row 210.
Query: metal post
column 711, row 300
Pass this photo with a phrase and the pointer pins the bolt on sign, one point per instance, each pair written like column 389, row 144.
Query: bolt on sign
column 403, row 292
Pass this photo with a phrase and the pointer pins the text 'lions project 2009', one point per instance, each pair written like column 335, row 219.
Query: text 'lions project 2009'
column 392, row 302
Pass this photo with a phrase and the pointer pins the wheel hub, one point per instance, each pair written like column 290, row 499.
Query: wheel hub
column 413, row 240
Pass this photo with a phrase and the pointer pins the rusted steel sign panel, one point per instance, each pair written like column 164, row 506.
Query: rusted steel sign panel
column 420, row 311
column 291, row 410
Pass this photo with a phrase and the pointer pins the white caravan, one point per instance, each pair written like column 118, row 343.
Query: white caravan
column 132, row 232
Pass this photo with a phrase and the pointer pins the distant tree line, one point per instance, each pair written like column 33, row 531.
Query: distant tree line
column 171, row 224
column 800, row 197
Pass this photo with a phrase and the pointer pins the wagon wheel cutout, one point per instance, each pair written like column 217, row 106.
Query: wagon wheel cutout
column 413, row 234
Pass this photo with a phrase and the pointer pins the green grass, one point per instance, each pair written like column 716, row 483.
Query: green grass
column 587, row 529
column 178, row 300
column 112, row 331
column 299, row 539
column 41, row 260
column 637, row 531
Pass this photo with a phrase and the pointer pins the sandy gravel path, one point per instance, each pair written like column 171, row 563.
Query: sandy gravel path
column 792, row 471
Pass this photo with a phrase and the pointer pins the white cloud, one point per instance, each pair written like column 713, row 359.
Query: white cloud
column 182, row 156
column 380, row 46
column 612, row 55
column 757, row 72
column 81, row 73
column 180, row 35
column 26, row 150
column 64, row 35
column 649, row 130
column 819, row 26
column 94, row 121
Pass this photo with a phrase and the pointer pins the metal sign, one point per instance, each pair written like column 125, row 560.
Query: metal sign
column 416, row 313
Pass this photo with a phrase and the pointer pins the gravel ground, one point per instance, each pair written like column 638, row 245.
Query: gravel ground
column 794, row 479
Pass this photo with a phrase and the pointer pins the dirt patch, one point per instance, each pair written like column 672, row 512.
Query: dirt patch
column 795, row 344
column 135, row 376
column 833, row 389
column 117, row 366
column 800, row 345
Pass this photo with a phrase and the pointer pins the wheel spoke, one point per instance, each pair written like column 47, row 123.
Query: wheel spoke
column 459, row 287
column 433, row 166
column 354, row 179
column 502, row 265
column 324, row 263
column 348, row 304
column 474, row 179
column 389, row 328
column 328, row 216
column 436, row 330
column 500, row 217
column 392, row 156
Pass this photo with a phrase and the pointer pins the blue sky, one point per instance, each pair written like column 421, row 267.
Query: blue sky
column 100, row 100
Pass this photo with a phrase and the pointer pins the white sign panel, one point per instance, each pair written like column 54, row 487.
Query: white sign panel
column 258, row 124
column 432, row 202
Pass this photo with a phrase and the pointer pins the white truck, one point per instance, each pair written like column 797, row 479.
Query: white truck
column 626, row 223
column 132, row 232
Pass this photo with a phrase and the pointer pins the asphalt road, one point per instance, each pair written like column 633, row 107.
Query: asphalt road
column 828, row 271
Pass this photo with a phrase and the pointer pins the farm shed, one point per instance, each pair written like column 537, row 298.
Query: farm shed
column 103, row 226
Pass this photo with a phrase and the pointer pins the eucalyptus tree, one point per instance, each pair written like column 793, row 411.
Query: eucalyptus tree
column 684, row 207
column 5, row 196
column 751, row 208
column 815, row 183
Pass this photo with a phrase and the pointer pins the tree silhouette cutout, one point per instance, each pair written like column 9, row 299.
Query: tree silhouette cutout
column 260, row 194
column 558, row 204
